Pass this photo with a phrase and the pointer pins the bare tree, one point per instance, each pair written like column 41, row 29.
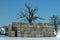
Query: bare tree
column 55, row 21
column 29, row 14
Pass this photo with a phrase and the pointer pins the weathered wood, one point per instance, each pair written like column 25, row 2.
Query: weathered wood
column 33, row 30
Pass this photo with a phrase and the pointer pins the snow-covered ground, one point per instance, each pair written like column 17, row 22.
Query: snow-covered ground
column 18, row 38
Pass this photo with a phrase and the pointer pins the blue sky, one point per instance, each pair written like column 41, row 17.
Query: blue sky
column 10, row 8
